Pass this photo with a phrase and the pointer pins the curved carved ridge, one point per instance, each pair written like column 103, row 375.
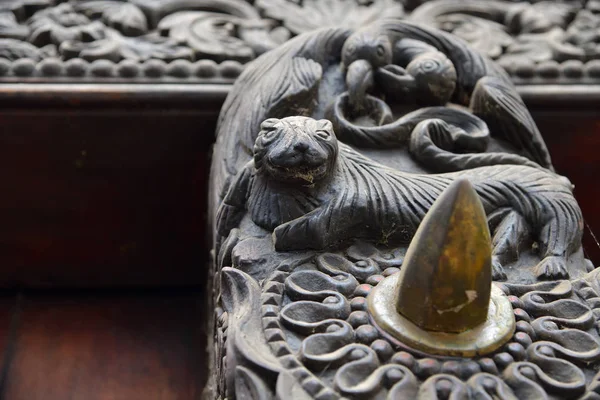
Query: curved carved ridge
column 536, row 42
column 330, row 151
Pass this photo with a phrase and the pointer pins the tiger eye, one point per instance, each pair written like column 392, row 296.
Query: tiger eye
column 323, row 134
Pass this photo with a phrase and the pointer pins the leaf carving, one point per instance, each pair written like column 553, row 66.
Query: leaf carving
column 317, row 14
column 12, row 49
column 61, row 23
column 484, row 35
column 246, row 345
column 545, row 15
column 23, row 9
column 116, row 47
column 221, row 36
column 249, row 385
column 211, row 35
column 10, row 28
column 125, row 17
column 153, row 46
column 538, row 47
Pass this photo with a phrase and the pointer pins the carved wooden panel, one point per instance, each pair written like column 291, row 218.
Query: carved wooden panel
column 211, row 40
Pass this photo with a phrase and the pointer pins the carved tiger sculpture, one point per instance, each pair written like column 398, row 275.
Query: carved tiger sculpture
column 314, row 192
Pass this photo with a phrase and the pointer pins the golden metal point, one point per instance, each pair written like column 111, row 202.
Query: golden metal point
column 447, row 272
column 442, row 300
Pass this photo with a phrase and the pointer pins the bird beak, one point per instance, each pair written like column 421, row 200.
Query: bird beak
column 359, row 79
column 393, row 79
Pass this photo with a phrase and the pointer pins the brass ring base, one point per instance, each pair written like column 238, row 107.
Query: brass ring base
column 487, row 337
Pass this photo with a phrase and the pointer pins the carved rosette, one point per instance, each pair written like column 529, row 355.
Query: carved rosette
column 211, row 40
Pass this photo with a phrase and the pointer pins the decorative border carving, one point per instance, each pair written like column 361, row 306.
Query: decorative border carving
column 209, row 41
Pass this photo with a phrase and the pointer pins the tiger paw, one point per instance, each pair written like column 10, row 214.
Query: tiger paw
column 294, row 236
column 282, row 239
column 498, row 273
column 552, row 268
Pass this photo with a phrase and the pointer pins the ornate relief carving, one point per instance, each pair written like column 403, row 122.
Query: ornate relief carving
column 315, row 322
column 367, row 186
column 314, row 193
column 536, row 42
column 308, row 15
column 531, row 41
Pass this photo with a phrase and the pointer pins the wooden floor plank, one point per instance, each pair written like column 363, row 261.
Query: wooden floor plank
column 107, row 347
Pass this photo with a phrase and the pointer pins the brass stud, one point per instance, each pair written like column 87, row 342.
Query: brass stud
column 442, row 301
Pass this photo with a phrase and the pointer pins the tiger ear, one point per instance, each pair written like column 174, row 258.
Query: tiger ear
column 325, row 124
column 269, row 124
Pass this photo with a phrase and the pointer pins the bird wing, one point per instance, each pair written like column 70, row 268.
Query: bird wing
column 501, row 107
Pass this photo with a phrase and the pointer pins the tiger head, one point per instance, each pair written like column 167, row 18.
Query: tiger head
column 296, row 149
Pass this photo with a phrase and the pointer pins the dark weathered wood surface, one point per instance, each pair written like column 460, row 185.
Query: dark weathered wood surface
column 98, row 346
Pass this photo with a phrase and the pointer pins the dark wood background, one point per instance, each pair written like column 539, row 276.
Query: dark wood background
column 573, row 138
column 108, row 197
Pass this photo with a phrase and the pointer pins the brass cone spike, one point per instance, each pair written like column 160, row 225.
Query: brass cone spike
column 443, row 302
column 446, row 277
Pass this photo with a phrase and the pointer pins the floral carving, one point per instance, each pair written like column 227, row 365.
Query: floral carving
column 12, row 49
column 543, row 16
column 525, row 37
column 484, row 35
column 315, row 14
column 116, row 47
column 584, row 33
column 10, row 27
column 220, row 36
column 62, row 23
column 505, row 30
column 540, row 47
column 126, row 18
column 71, row 28
column 24, row 9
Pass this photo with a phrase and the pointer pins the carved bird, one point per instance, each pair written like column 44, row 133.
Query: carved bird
column 282, row 82
column 371, row 53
